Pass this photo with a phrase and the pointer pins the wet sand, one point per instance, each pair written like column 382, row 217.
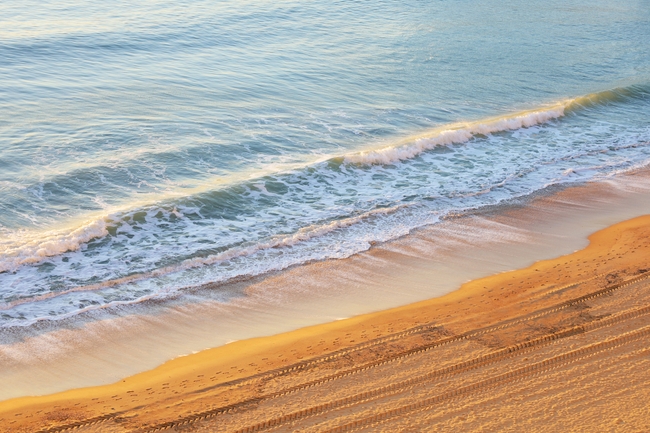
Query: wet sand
column 431, row 262
column 561, row 345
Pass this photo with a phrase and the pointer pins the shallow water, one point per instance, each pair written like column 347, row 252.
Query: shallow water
column 102, row 347
column 149, row 148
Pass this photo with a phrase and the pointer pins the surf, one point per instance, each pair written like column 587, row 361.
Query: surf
column 462, row 132
column 31, row 247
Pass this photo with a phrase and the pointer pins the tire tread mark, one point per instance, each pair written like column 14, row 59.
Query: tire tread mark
column 518, row 374
column 424, row 348
column 303, row 365
column 451, row 370
column 79, row 424
column 343, row 352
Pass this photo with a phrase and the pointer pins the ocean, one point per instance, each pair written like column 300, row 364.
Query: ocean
column 151, row 148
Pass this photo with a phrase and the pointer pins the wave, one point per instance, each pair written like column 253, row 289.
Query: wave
column 21, row 250
column 459, row 133
column 619, row 94
column 455, row 135
column 28, row 248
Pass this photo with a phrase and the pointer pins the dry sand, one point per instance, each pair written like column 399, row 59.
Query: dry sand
column 563, row 345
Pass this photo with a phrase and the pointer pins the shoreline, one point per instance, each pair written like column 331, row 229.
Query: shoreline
column 432, row 262
column 187, row 387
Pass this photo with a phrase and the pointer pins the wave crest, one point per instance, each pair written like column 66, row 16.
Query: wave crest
column 463, row 132
column 22, row 250
column 456, row 134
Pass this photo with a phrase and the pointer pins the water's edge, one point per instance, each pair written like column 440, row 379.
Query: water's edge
column 429, row 262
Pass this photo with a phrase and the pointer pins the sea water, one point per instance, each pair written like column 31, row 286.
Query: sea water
column 150, row 148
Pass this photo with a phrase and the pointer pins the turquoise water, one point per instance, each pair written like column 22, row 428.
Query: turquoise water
column 149, row 148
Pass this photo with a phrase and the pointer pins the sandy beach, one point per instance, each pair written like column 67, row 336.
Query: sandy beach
column 324, row 216
column 560, row 345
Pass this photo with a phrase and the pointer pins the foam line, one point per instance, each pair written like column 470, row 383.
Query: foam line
column 301, row 235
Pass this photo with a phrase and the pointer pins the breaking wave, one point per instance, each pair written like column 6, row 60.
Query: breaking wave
column 456, row 134
column 22, row 249
column 463, row 132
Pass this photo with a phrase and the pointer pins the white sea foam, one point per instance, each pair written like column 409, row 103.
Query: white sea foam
column 302, row 235
column 22, row 249
column 456, row 135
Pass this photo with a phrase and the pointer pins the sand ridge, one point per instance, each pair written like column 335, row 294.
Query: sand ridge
column 414, row 367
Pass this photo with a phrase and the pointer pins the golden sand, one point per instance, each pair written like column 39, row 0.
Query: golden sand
column 559, row 346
